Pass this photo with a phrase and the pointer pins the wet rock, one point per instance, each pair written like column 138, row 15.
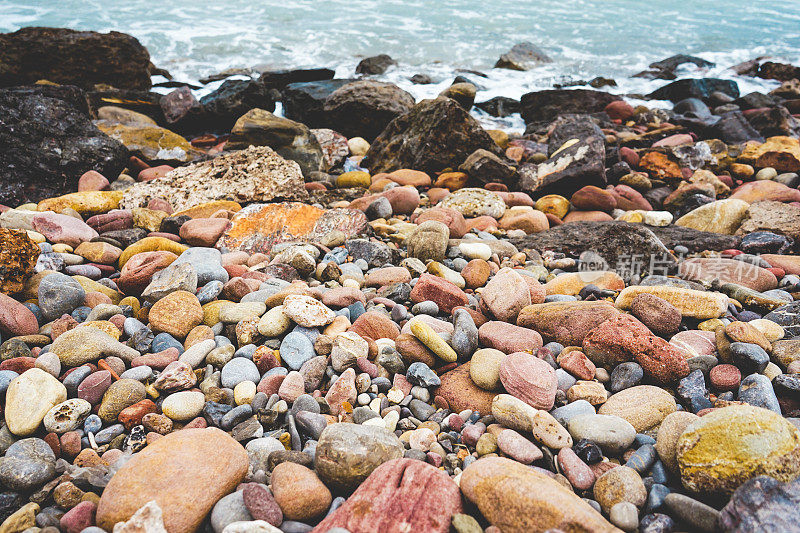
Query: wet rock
column 69, row 57
column 37, row 171
column 424, row 139
column 365, row 107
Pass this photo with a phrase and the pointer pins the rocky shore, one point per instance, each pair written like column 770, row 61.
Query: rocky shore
column 374, row 315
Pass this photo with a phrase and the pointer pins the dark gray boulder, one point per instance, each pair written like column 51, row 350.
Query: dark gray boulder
column 48, row 141
column 70, row 57
column 434, row 135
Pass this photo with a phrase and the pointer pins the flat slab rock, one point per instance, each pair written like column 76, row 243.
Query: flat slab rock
column 257, row 174
column 623, row 247
column 259, row 227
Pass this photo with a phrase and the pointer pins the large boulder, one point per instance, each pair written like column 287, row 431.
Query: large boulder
column 291, row 140
column 231, row 100
column 363, row 108
column 256, row 174
column 303, row 101
column 281, row 78
column 574, row 167
column 542, row 106
column 70, row 57
column 522, row 56
column 375, row 65
column 434, row 135
column 49, row 142
column 695, row 88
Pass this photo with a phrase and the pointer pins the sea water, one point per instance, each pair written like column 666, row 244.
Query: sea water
column 440, row 38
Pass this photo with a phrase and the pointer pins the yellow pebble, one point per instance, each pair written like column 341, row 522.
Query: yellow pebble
column 209, row 208
column 432, row 340
column 211, row 311
column 354, row 178
column 22, row 519
column 151, row 244
column 711, row 325
column 105, row 326
column 90, row 285
column 62, row 248
column 87, row 203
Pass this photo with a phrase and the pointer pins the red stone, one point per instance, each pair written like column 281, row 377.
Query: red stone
column 725, row 377
column 92, row 181
column 375, row 325
column 623, row 338
column 509, row 338
column 619, row 110
column 530, row 379
column 18, row 364
column 399, row 496
column 445, row 293
column 79, row 517
column 152, row 173
column 132, row 415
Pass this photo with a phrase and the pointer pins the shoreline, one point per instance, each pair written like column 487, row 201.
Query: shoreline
column 311, row 302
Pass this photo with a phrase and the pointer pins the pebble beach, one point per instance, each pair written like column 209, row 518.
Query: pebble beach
column 303, row 302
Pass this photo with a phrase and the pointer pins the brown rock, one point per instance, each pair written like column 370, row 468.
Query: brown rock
column 621, row 484
column 413, row 350
column 139, row 270
column 204, row 231
column 185, row 472
column 566, row 322
column 476, row 273
column 660, row 316
column 461, row 393
column 299, row 492
column 516, row 498
column 176, row 314
column 591, row 198
column 451, row 218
